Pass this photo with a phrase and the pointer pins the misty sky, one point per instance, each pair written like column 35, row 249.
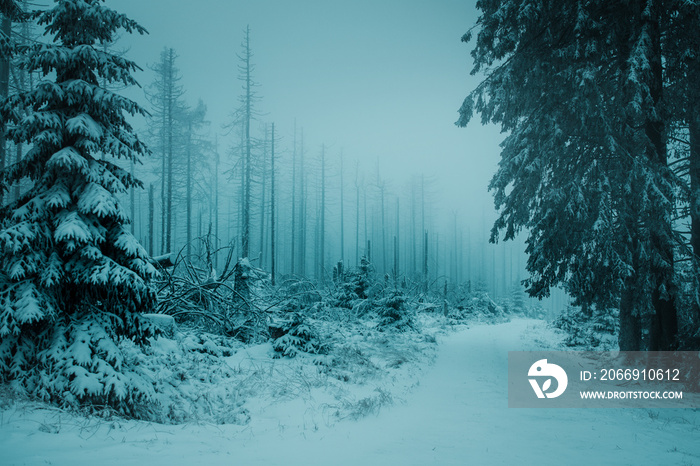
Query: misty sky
column 381, row 80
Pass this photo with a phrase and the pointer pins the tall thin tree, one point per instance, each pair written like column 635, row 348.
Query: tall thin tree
column 272, row 207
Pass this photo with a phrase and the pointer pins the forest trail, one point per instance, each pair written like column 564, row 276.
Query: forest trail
column 457, row 415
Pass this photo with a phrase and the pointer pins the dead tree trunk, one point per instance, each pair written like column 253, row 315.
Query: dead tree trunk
column 272, row 207
column 170, row 130
column 323, row 214
column 294, row 201
column 302, row 210
column 6, row 27
column 342, row 211
column 150, row 219
column 188, row 201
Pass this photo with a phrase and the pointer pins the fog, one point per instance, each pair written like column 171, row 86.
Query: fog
column 379, row 83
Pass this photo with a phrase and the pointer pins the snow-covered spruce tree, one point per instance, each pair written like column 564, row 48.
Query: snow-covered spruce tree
column 578, row 87
column 72, row 277
column 681, row 45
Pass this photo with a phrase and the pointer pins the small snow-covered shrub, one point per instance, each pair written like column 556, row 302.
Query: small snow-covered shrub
column 393, row 312
column 484, row 307
column 595, row 331
column 293, row 335
column 353, row 285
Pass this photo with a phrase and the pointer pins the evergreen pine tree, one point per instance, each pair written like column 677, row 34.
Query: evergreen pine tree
column 72, row 277
column 584, row 166
column 682, row 66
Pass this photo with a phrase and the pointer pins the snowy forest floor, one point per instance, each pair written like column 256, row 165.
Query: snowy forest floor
column 436, row 404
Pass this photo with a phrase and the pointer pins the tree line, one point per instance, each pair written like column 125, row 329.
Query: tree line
column 324, row 208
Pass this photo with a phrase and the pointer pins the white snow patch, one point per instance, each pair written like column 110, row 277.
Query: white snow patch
column 456, row 415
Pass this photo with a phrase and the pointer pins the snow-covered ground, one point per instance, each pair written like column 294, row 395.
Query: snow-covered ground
column 456, row 414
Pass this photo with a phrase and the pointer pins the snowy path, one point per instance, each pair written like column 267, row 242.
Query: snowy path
column 457, row 415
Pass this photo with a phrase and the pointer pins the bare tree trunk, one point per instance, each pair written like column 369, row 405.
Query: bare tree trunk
column 242, row 193
column 302, row 211
column 163, row 179
column 630, row 336
column 132, row 202
column 151, row 251
column 364, row 208
column 425, row 244
column 342, row 212
column 664, row 328
column 170, row 130
column 6, row 27
column 323, row 215
column 217, row 161
column 438, row 259
column 425, row 260
column 357, row 216
column 188, row 201
column 294, row 193
column 317, row 250
column 396, row 244
column 454, row 257
column 272, row 206
column 460, row 270
column 245, row 240
column 396, row 260
column 414, row 233
column 382, row 187
column 262, row 201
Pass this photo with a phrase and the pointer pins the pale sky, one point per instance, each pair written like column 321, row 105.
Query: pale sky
column 381, row 80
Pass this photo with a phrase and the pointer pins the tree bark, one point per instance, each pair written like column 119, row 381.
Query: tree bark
column 302, row 209
column 272, row 206
column 357, row 217
column 664, row 329
column 694, row 163
column 630, row 334
column 245, row 240
column 171, row 121
column 294, row 200
column 6, row 27
column 188, row 201
column 323, row 215
column 217, row 161
column 342, row 212
column 150, row 219
column 263, row 189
